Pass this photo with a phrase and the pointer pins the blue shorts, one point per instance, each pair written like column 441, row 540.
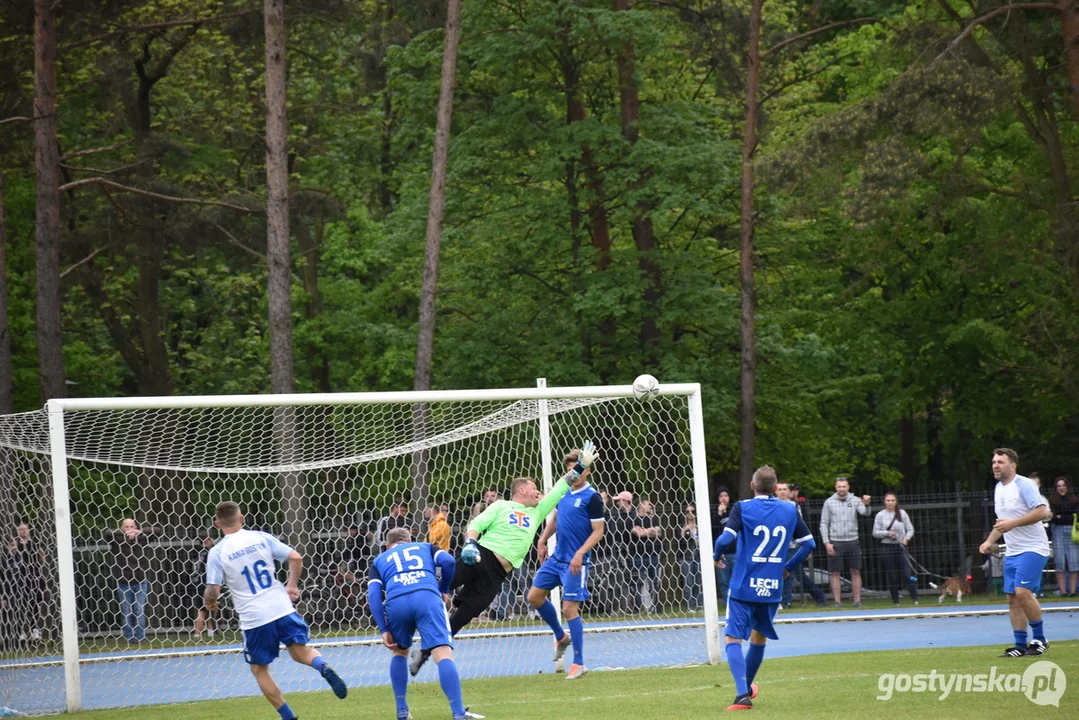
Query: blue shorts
column 1023, row 570
column 262, row 644
column 554, row 573
column 423, row 611
column 742, row 617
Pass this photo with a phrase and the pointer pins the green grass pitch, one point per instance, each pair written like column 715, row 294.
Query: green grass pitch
column 839, row 685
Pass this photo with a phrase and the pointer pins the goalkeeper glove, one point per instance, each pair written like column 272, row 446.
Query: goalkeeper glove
column 470, row 553
column 585, row 458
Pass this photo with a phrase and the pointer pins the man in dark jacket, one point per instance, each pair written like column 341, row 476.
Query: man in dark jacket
column 129, row 563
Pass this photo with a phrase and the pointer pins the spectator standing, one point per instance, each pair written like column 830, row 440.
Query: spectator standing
column 619, row 533
column 719, row 523
column 839, row 532
column 689, row 559
column 204, row 619
column 130, row 561
column 646, row 550
column 398, row 518
column 357, row 550
column 1065, row 506
column 892, row 526
column 801, row 571
column 994, row 570
column 11, row 622
column 438, row 527
column 27, row 562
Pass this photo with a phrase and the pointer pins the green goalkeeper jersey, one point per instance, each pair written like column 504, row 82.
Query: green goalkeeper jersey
column 508, row 527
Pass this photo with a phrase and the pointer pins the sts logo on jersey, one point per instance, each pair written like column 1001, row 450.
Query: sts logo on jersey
column 764, row 586
column 520, row 519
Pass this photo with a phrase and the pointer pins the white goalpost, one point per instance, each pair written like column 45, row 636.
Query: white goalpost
column 98, row 613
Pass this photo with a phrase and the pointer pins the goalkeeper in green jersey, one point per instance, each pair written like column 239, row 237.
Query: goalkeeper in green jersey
column 498, row 541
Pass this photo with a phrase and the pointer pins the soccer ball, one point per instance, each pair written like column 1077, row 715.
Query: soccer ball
column 645, row 387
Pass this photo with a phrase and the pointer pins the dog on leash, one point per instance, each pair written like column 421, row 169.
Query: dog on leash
column 956, row 585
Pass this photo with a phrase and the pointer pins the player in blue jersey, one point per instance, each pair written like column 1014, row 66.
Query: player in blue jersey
column 578, row 520
column 405, row 596
column 763, row 527
column 244, row 560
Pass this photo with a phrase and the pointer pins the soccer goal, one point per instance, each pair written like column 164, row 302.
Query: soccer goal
column 101, row 597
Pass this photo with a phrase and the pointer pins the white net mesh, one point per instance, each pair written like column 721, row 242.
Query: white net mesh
column 322, row 478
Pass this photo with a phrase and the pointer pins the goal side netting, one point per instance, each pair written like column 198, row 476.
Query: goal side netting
column 330, row 478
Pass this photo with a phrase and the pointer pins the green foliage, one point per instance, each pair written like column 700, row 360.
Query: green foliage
column 913, row 246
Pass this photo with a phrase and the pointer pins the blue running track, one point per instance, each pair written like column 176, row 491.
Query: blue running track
column 178, row 675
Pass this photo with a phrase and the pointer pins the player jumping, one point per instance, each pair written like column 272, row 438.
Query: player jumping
column 763, row 527
column 244, row 560
column 578, row 520
column 497, row 541
column 1020, row 509
column 414, row 600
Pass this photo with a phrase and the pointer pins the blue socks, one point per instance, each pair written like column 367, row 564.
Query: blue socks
column 451, row 685
column 399, row 681
column 319, row 663
column 737, row 663
column 547, row 612
column 754, row 656
column 1020, row 639
column 1037, row 631
column 576, row 633
column 286, row 712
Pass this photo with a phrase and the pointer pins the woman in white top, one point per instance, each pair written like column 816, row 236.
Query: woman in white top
column 894, row 529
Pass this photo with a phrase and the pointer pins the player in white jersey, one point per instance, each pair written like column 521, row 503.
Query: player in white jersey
column 1020, row 509
column 245, row 561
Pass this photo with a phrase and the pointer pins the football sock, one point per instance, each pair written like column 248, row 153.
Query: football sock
column 286, row 712
column 547, row 612
column 1037, row 630
column 754, row 656
column 576, row 632
column 1020, row 639
column 737, row 663
column 451, row 685
column 399, row 681
column 319, row 663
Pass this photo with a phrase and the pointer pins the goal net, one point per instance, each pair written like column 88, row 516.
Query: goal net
column 104, row 555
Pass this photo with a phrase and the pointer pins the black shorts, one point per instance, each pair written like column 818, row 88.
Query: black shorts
column 848, row 556
column 477, row 585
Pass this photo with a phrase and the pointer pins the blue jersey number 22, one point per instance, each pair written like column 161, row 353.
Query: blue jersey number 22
column 261, row 575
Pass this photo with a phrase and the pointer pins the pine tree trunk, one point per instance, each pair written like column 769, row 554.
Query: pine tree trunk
column 643, row 236
column 437, row 201
column 278, row 258
column 7, row 400
column 47, row 222
column 747, row 458
column 277, row 220
column 425, row 340
column 1069, row 25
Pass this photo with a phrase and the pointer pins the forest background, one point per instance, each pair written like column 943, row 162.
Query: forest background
column 914, row 237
